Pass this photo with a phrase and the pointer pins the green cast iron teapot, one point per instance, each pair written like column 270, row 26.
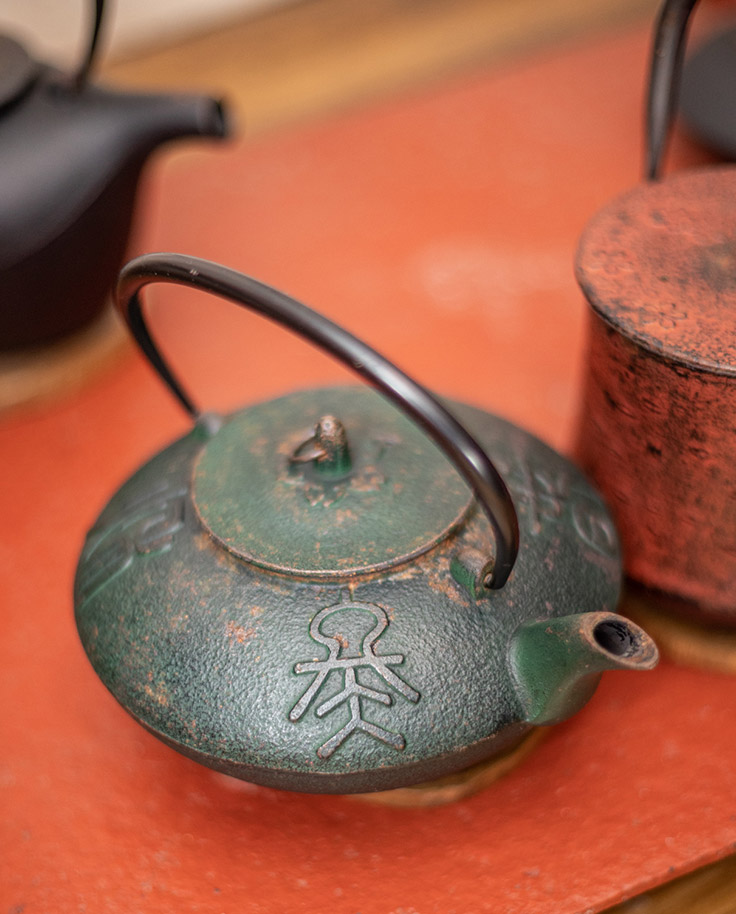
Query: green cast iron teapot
column 325, row 593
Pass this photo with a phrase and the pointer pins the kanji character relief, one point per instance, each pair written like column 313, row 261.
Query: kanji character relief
column 351, row 651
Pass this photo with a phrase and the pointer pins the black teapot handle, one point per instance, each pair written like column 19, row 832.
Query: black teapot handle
column 668, row 46
column 467, row 455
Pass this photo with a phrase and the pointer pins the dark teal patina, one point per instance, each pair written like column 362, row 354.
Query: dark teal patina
column 393, row 498
column 328, row 629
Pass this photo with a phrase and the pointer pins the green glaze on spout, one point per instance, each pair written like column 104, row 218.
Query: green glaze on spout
column 557, row 663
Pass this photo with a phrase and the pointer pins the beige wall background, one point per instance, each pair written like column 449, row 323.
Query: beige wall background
column 55, row 29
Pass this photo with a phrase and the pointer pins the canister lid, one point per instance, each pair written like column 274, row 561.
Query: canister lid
column 659, row 264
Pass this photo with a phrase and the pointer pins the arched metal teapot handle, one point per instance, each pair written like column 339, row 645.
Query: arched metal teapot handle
column 668, row 46
column 467, row 455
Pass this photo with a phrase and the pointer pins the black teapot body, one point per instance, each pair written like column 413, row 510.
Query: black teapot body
column 72, row 154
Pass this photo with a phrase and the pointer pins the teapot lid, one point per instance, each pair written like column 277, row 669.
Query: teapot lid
column 326, row 488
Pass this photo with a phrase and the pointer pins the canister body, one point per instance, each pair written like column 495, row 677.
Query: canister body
column 657, row 426
column 660, row 442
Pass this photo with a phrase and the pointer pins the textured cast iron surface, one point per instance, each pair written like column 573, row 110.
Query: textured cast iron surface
column 658, row 428
column 659, row 264
column 378, row 681
column 401, row 497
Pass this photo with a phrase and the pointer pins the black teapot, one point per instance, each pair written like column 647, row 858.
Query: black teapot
column 72, row 153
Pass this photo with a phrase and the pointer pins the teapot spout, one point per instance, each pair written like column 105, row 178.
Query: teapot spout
column 160, row 118
column 557, row 663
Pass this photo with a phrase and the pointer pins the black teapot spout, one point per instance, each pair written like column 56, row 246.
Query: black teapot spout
column 72, row 154
column 148, row 121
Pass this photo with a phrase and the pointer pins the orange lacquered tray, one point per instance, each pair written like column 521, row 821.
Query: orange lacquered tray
column 441, row 227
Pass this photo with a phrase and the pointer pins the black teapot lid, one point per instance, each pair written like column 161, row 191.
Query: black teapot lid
column 18, row 70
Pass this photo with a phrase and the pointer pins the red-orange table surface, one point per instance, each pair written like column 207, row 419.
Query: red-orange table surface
column 441, row 227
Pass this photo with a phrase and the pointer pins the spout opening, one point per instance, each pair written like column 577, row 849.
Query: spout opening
column 616, row 638
column 621, row 639
column 217, row 119
column 201, row 115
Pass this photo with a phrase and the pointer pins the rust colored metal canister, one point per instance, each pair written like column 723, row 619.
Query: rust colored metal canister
column 658, row 426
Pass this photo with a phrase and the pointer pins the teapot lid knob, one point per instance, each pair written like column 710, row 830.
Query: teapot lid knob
column 327, row 449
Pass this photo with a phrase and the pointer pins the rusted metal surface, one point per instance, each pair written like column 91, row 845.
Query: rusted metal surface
column 658, row 425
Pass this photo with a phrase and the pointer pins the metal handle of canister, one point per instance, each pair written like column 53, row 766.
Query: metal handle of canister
column 668, row 47
column 413, row 399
